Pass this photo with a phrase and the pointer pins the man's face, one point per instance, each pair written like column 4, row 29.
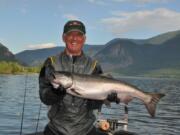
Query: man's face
column 74, row 41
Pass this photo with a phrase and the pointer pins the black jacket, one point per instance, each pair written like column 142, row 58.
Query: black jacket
column 68, row 114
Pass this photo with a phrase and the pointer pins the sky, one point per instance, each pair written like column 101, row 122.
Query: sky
column 35, row 24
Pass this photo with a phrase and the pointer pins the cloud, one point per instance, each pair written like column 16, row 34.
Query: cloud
column 98, row 2
column 103, row 2
column 157, row 20
column 4, row 41
column 144, row 1
column 41, row 46
column 23, row 11
column 70, row 16
column 1, row 39
column 24, row 7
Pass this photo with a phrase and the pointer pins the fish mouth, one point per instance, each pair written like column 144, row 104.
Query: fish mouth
column 64, row 78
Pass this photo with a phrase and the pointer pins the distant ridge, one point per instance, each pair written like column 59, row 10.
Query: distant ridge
column 138, row 56
column 37, row 57
column 156, row 40
column 5, row 54
column 163, row 37
column 124, row 56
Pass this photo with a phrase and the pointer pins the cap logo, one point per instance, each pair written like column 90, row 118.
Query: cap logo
column 74, row 23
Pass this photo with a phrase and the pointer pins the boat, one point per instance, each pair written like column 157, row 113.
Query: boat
column 109, row 126
column 38, row 133
column 120, row 132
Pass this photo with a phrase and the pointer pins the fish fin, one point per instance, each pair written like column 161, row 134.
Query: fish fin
column 128, row 99
column 125, row 98
column 107, row 103
column 74, row 91
column 107, row 75
column 151, row 106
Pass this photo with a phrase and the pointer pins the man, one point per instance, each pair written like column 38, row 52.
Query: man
column 70, row 115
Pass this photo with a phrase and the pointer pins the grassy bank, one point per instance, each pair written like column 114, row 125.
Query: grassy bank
column 164, row 73
column 156, row 73
column 16, row 68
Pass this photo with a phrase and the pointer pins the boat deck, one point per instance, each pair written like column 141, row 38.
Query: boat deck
column 121, row 132
column 38, row 133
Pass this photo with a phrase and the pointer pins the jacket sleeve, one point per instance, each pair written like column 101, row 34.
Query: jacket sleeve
column 95, row 104
column 48, row 94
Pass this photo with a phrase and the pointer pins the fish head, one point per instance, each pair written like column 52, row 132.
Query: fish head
column 63, row 78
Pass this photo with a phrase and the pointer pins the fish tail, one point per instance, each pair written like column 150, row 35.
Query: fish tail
column 151, row 106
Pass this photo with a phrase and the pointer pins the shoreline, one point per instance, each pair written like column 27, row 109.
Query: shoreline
column 150, row 77
column 19, row 74
column 114, row 76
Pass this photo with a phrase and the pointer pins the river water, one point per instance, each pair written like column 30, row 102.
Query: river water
column 166, row 122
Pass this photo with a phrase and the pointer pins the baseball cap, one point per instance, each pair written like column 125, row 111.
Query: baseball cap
column 74, row 25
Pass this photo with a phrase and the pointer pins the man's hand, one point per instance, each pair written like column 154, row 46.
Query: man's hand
column 49, row 73
column 57, row 88
column 55, row 85
column 113, row 97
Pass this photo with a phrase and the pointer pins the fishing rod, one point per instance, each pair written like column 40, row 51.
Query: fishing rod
column 24, row 101
column 39, row 113
column 23, row 108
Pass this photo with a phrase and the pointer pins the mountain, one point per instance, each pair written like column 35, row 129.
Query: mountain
column 156, row 40
column 5, row 54
column 125, row 56
column 162, row 38
column 117, row 53
column 36, row 57
column 130, row 56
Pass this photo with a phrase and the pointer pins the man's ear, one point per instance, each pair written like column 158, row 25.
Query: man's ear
column 64, row 37
column 84, row 38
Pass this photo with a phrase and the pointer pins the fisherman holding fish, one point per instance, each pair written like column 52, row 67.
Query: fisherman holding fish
column 68, row 114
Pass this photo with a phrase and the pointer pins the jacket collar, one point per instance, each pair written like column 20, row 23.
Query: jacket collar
column 74, row 59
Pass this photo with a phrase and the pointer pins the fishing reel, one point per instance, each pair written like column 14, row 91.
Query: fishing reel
column 114, row 126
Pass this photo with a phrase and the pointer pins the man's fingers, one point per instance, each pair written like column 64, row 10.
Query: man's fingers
column 117, row 100
column 113, row 97
column 55, row 85
column 55, row 81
